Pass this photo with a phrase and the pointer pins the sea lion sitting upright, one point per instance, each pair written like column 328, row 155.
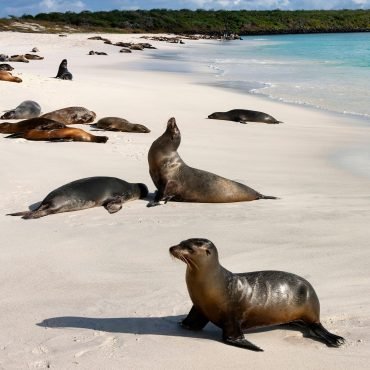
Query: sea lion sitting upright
column 7, row 76
column 63, row 72
column 71, row 115
column 109, row 192
column 175, row 180
column 120, row 124
column 25, row 110
column 236, row 302
column 244, row 116
column 59, row 134
column 29, row 124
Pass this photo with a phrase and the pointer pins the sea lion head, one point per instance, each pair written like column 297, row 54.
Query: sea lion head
column 173, row 133
column 217, row 115
column 140, row 128
column 197, row 253
column 8, row 115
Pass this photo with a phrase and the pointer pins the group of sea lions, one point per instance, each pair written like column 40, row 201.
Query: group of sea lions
column 53, row 126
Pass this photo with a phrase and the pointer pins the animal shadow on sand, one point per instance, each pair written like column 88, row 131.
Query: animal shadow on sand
column 166, row 325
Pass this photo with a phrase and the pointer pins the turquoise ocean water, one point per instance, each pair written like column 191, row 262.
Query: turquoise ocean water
column 327, row 71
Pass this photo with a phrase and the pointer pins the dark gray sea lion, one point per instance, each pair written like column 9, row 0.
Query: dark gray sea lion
column 33, row 57
column 29, row 124
column 244, row 116
column 71, row 115
column 4, row 58
column 120, row 124
column 18, row 58
column 124, row 50
column 237, row 302
column 25, row 110
column 175, row 180
column 6, row 67
column 7, row 76
column 59, row 134
column 35, row 50
column 109, row 192
column 63, row 72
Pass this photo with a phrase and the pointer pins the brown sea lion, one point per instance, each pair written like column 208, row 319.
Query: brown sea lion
column 18, row 58
column 120, row 124
column 109, row 192
column 59, row 134
column 29, row 124
column 236, row 302
column 71, row 115
column 7, row 76
column 175, row 180
column 244, row 116
column 33, row 57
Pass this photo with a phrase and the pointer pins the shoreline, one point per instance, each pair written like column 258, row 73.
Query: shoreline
column 91, row 290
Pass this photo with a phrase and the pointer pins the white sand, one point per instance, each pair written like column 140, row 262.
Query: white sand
column 104, row 285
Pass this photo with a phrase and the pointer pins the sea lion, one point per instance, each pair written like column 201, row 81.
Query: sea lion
column 71, row 115
column 35, row 50
column 109, row 192
column 59, row 134
column 6, row 67
column 7, row 76
column 33, row 57
column 175, row 180
column 63, row 72
column 29, row 124
column 18, row 58
column 244, row 116
column 120, row 124
column 25, row 110
column 4, row 58
column 124, row 50
column 236, row 302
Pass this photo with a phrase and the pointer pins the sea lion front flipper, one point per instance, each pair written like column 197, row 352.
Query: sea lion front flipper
column 113, row 205
column 195, row 320
column 244, row 122
column 233, row 335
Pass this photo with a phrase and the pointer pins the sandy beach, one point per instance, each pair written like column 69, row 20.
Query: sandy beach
column 91, row 290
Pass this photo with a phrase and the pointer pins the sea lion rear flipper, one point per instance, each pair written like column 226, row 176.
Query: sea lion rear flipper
column 114, row 205
column 195, row 320
column 15, row 136
column 330, row 339
column 233, row 335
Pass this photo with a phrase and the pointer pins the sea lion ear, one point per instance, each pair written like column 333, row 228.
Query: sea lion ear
column 208, row 252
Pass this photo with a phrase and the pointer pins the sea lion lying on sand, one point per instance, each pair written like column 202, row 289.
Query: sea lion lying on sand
column 244, row 116
column 119, row 124
column 25, row 110
column 71, row 115
column 7, row 76
column 29, row 124
column 6, row 67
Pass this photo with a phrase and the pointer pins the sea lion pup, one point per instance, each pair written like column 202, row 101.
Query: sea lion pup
column 120, row 124
column 175, row 180
column 25, row 110
column 18, row 58
column 7, row 76
column 35, row 50
column 63, row 72
column 29, row 124
column 71, row 115
column 109, row 192
column 6, row 67
column 244, row 116
column 59, row 134
column 236, row 302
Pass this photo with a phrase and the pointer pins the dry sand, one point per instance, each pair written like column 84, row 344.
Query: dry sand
column 90, row 290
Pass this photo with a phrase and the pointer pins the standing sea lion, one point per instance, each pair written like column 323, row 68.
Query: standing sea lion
column 120, row 124
column 7, row 76
column 244, row 116
column 29, row 124
column 175, row 180
column 59, row 134
column 236, row 302
column 25, row 110
column 63, row 72
column 71, row 115
column 109, row 192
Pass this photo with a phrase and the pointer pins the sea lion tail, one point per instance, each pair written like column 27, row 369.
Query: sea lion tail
column 267, row 197
column 332, row 340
